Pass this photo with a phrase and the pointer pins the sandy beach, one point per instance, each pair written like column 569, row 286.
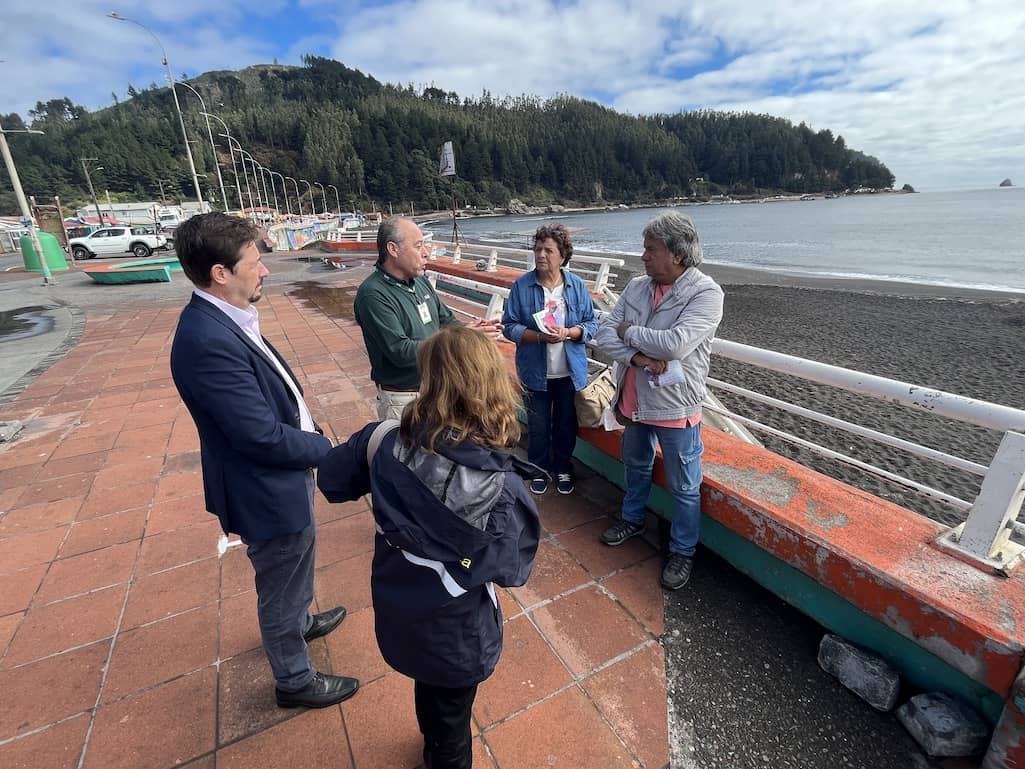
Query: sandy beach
column 959, row 340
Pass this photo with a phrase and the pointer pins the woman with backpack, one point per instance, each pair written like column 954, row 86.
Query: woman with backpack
column 454, row 520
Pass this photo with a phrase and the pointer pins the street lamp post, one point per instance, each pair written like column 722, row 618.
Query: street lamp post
column 324, row 193
column 177, row 106
column 245, row 175
column 26, row 212
column 234, row 166
column 313, row 203
column 89, row 181
column 298, row 199
column 213, row 147
column 256, row 178
column 263, row 181
column 338, row 201
column 288, row 206
column 273, row 191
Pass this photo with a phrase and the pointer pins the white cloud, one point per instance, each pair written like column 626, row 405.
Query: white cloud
column 932, row 89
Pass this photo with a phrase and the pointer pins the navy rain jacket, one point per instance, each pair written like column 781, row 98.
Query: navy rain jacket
column 450, row 527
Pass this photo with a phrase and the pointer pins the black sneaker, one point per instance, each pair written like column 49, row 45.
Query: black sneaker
column 538, row 485
column 621, row 531
column 677, row 571
column 564, row 483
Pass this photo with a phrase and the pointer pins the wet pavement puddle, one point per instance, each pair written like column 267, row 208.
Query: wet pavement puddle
column 25, row 322
column 333, row 301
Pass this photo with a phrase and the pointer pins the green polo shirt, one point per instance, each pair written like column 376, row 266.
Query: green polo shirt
column 389, row 313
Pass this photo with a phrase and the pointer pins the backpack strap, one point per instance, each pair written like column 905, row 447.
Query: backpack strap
column 378, row 435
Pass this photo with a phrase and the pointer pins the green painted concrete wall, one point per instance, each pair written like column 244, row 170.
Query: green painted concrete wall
column 830, row 610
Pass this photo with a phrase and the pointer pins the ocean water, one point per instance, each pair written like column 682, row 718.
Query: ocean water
column 973, row 239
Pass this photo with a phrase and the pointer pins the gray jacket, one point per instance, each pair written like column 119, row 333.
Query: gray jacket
column 681, row 327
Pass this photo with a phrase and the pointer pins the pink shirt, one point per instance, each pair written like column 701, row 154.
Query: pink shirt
column 628, row 397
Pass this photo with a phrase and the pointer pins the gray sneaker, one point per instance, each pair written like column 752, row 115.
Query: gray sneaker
column 677, row 571
column 621, row 531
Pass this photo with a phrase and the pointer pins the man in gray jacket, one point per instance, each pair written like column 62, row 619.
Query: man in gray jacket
column 660, row 333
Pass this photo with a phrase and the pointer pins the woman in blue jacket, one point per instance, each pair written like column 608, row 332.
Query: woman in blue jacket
column 454, row 519
column 549, row 316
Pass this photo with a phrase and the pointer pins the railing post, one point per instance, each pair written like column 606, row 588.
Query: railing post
column 493, row 261
column 496, row 306
column 1000, row 498
column 458, row 255
column 602, row 278
column 985, row 536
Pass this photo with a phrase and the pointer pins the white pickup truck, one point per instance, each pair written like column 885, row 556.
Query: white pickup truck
column 115, row 241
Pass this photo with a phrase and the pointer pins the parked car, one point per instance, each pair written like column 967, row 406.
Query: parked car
column 115, row 241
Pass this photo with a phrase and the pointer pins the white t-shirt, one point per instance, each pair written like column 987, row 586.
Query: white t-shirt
column 558, row 367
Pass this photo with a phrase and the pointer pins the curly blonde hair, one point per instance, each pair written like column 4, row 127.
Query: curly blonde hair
column 466, row 393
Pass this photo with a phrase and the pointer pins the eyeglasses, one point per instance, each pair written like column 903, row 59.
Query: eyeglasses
column 418, row 244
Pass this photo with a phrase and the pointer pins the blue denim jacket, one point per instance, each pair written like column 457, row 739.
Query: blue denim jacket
column 527, row 297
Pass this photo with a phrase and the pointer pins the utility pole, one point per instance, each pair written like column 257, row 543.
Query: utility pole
column 26, row 212
column 92, row 192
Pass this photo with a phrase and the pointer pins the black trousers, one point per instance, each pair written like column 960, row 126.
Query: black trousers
column 444, row 718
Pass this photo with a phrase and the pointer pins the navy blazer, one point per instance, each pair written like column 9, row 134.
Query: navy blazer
column 256, row 460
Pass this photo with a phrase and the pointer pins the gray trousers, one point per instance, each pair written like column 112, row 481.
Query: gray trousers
column 284, row 592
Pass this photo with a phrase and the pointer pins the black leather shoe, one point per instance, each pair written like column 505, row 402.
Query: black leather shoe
column 321, row 692
column 677, row 571
column 324, row 623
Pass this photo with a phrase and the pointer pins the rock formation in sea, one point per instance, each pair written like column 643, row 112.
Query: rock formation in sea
column 1006, row 183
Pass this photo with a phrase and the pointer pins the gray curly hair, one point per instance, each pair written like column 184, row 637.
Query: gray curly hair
column 679, row 235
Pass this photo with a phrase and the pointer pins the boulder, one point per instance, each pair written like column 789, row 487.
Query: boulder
column 907, row 188
column 943, row 726
column 1006, row 183
column 870, row 677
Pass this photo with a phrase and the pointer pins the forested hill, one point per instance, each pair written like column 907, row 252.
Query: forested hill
column 327, row 123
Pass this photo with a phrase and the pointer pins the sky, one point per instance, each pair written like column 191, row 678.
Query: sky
column 935, row 90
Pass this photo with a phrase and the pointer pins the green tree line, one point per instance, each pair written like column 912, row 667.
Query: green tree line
column 379, row 143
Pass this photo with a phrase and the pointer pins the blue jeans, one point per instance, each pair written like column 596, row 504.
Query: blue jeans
column 552, row 425
column 681, row 457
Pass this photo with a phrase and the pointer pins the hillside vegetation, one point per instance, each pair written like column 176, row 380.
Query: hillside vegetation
column 376, row 142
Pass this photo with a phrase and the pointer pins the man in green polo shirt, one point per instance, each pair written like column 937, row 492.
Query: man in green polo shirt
column 397, row 308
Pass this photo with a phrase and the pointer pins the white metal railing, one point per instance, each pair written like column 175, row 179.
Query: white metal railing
column 984, row 539
column 497, row 294
column 593, row 269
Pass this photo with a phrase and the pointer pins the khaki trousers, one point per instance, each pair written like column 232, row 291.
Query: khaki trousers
column 390, row 404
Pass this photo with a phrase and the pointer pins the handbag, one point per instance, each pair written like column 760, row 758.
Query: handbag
column 597, row 395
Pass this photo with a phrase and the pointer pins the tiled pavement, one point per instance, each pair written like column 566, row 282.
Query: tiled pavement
column 125, row 641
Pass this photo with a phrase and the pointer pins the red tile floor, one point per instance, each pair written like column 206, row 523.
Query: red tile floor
column 126, row 641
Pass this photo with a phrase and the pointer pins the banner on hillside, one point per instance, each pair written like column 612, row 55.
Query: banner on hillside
column 447, row 167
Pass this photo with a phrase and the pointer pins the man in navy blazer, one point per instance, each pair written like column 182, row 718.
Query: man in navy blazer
column 258, row 445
